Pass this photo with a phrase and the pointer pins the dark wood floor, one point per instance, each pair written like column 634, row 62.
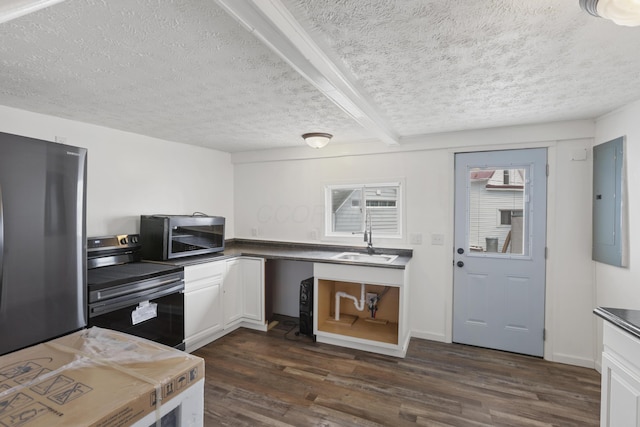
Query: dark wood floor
column 280, row 379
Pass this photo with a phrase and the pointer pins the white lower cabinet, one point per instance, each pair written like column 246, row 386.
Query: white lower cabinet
column 345, row 290
column 253, row 289
column 202, row 303
column 620, row 400
column 221, row 296
column 232, row 292
column 243, row 288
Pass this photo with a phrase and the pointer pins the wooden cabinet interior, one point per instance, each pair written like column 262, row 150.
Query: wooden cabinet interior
column 354, row 323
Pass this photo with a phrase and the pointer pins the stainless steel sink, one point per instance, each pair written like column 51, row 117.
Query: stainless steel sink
column 363, row 257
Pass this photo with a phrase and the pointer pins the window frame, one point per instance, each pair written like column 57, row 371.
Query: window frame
column 399, row 206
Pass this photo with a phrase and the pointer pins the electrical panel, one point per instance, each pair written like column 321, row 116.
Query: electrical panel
column 608, row 201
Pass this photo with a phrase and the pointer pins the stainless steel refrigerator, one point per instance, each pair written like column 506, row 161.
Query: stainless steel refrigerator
column 42, row 241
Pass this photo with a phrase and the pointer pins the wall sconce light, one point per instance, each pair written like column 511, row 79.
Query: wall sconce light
column 622, row 12
column 317, row 139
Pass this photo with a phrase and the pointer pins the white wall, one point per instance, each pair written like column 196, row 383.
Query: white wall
column 283, row 200
column 616, row 286
column 570, row 291
column 285, row 285
column 129, row 174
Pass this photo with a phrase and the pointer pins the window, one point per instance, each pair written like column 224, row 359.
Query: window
column 507, row 214
column 347, row 206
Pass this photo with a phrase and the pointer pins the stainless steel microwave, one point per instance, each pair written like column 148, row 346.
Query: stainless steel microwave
column 165, row 237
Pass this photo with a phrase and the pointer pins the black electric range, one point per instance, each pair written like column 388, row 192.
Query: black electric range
column 126, row 294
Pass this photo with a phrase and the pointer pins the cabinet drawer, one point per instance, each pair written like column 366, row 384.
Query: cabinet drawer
column 622, row 345
column 208, row 270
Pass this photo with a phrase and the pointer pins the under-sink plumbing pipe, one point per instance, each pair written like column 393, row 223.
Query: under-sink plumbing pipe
column 359, row 305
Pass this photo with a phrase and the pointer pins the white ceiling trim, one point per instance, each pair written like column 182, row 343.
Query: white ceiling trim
column 499, row 138
column 271, row 22
column 12, row 9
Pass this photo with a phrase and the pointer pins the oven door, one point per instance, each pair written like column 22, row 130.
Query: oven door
column 157, row 315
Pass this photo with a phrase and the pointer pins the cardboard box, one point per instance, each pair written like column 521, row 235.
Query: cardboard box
column 95, row 377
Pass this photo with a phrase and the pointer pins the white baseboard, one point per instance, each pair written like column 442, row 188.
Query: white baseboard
column 558, row 357
column 574, row 360
column 432, row 336
column 258, row 326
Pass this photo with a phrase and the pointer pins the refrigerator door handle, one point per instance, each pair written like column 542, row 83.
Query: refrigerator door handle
column 1, row 246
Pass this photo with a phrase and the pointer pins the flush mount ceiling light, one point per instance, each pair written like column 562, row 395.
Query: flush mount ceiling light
column 317, row 139
column 622, row 12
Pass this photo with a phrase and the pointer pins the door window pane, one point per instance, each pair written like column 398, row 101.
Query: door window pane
column 496, row 216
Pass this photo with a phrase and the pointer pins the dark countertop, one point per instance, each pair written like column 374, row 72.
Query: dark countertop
column 628, row 320
column 296, row 252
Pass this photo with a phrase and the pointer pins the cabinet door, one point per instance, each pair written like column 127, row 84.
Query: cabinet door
column 232, row 292
column 202, row 303
column 253, row 287
column 620, row 402
column 203, row 312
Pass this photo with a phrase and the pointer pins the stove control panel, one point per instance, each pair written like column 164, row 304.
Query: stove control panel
column 111, row 250
column 121, row 241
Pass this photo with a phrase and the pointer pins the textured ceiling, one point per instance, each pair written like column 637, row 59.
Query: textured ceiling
column 186, row 71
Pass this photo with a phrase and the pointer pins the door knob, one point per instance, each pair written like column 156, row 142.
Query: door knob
column 460, row 251
column 460, row 264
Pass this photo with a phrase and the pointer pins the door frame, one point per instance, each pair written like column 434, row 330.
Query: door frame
column 499, row 297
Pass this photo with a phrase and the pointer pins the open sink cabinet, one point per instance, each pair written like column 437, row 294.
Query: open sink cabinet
column 387, row 333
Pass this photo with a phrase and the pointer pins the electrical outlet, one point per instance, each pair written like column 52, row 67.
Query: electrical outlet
column 415, row 238
column 437, row 239
column 254, row 232
column 370, row 296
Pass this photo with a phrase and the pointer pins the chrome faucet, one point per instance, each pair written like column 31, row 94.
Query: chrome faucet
column 368, row 234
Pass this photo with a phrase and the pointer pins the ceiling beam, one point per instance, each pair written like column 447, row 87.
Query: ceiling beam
column 273, row 24
column 12, row 9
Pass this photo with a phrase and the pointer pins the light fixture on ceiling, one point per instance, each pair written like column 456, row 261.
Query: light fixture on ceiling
column 622, row 12
column 317, row 139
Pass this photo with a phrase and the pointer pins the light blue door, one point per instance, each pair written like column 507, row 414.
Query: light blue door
column 499, row 255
